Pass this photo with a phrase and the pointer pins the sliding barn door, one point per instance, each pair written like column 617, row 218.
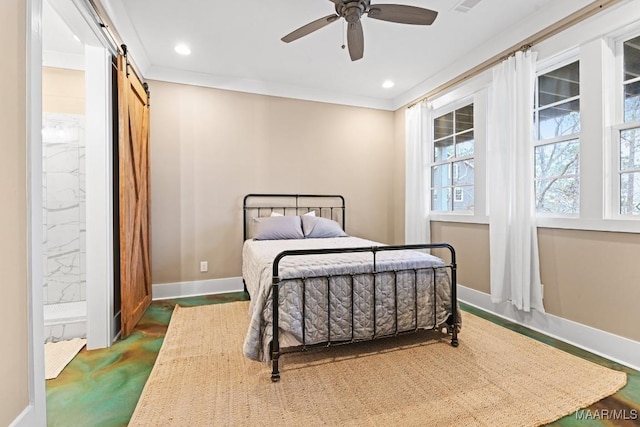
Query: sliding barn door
column 133, row 147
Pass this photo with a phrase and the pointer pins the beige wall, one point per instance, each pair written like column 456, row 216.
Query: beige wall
column 14, row 394
column 589, row 277
column 210, row 147
column 399, row 176
column 592, row 278
column 471, row 243
column 63, row 91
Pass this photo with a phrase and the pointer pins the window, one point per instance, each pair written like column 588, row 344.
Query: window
column 557, row 143
column 629, row 137
column 452, row 169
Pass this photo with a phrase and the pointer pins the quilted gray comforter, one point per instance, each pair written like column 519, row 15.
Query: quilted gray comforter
column 433, row 305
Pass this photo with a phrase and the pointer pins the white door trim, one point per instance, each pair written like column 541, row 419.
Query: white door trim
column 99, row 198
column 35, row 414
column 37, row 410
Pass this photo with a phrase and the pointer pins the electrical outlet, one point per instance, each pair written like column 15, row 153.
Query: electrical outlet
column 204, row 266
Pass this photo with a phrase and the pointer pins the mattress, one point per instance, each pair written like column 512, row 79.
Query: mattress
column 343, row 285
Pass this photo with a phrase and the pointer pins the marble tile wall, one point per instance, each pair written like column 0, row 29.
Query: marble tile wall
column 64, row 208
column 65, row 321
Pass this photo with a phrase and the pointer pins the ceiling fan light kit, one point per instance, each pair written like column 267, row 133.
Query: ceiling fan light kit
column 352, row 12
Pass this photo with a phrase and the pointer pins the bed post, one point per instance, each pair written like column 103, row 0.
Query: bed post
column 344, row 226
column 244, row 217
column 454, row 298
column 275, row 344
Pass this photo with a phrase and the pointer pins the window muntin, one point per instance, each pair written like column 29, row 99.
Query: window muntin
column 452, row 170
column 557, row 145
column 629, row 137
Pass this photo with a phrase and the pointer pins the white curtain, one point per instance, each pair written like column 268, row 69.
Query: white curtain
column 515, row 271
column 417, row 182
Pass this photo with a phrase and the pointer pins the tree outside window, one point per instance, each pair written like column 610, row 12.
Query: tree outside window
column 557, row 144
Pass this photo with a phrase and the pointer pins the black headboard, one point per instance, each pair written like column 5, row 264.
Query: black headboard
column 257, row 205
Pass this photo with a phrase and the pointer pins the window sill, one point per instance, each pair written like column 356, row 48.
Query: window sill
column 609, row 225
column 465, row 218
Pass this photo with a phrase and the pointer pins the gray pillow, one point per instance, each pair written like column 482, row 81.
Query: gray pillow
column 278, row 228
column 318, row 228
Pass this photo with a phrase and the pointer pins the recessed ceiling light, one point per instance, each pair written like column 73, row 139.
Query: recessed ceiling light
column 388, row 84
column 182, row 49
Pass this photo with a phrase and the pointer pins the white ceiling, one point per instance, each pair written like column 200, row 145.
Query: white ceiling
column 236, row 45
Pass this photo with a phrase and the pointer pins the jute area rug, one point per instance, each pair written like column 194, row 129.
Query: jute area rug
column 496, row 377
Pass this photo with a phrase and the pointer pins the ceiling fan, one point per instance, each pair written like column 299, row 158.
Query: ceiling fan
column 352, row 11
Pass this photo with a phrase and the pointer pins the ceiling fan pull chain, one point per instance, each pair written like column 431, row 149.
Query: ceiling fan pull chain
column 344, row 32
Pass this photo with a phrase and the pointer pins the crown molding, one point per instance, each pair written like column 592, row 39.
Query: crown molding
column 173, row 75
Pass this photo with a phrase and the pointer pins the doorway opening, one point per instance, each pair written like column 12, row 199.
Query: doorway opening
column 77, row 176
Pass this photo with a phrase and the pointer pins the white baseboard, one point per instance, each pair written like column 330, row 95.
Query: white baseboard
column 197, row 288
column 605, row 344
column 27, row 418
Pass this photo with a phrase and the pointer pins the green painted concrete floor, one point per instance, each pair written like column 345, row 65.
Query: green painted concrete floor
column 102, row 387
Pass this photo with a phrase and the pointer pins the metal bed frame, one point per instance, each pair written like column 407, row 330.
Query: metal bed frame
column 289, row 202
column 277, row 282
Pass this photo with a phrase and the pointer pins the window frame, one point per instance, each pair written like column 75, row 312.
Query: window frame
column 430, row 161
column 593, row 44
column 554, row 63
column 614, row 205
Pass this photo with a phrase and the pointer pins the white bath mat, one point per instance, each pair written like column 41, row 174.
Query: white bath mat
column 58, row 354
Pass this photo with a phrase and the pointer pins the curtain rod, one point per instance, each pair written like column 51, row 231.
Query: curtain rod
column 528, row 43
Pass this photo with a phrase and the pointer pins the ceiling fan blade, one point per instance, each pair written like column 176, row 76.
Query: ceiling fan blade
column 402, row 14
column 309, row 28
column 355, row 40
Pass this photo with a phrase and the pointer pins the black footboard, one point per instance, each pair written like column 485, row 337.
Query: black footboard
column 452, row 321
